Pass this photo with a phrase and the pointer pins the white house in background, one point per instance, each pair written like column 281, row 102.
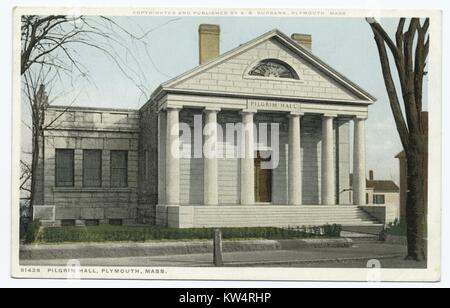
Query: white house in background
column 384, row 193
column 117, row 166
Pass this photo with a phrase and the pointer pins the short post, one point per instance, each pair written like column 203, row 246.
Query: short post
column 217, row 253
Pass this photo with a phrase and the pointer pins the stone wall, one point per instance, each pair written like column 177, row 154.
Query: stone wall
column 80, row 128
column 376, row 211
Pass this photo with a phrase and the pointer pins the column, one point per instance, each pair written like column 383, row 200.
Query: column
column 359, row 162
column 247, row 161
column 162, row 134
column 172, row 157
column 210, row 175
column 295, row 177
column 328, row 173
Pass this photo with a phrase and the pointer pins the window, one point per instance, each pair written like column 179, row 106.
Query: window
column 64, row 168
column 92, row 168
column 273, row 68
column 378, row 199
column 119, row 168
column 115, row 222
column 367, row 198
column 92, row 222
column 68, row 223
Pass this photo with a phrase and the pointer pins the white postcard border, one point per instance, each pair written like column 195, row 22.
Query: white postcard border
column 431, row 274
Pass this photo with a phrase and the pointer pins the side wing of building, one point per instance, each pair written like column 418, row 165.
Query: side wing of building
column 90, row 166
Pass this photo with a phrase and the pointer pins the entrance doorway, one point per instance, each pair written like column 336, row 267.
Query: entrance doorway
column 263, row 180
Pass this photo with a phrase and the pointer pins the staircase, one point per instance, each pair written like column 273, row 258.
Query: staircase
column 352, row 218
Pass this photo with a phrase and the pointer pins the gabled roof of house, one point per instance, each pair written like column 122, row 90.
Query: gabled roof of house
column 382, row 185
column 379, row 185
column 287, row 42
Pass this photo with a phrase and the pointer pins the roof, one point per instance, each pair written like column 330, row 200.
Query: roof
column 287, row 42
column 379, row 185
column 382, row 185
column 92, row 109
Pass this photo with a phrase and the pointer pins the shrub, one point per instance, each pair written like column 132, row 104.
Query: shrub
column 108, row 233
column 32, row 231
column 396, row 228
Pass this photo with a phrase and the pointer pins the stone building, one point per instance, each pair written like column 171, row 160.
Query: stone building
column 119, row 166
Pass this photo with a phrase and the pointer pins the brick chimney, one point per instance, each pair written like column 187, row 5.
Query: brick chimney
column 304, row 40
column 371, row 175
column 208, row 42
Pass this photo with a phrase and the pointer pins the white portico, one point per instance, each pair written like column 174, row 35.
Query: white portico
column 272, row 82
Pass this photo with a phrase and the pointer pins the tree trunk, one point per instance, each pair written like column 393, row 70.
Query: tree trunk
column 416, row 199
column 34, row 164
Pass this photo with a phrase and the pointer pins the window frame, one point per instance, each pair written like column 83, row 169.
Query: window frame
column 111, row 168
column 376, row 196
column 293, row 73
column 57, row 183
column 100, row 152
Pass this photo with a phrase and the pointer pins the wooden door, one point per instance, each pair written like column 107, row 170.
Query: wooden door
column 263, row 181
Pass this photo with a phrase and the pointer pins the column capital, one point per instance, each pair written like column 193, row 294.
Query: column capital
column 211, row 109
column 248, row 111
column 360, row 117
column 329, row 115
column 173, row 108
column 296, row 113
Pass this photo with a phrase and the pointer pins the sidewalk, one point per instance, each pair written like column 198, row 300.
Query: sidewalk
column 122, row 250
column 356, row 256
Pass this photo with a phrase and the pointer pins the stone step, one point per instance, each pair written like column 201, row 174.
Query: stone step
column 264, row 214
column 311, row 217
column 230, row 216
column 367, row 229
column 297, row 223
column 360, row 237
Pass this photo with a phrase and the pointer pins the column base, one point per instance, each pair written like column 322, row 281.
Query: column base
column 175, row 216
column 161, row 215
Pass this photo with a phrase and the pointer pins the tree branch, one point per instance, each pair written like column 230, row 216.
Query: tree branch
column 409, row 98
column 391, row 90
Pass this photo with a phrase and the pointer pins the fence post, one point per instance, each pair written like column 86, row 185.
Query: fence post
column 217, row 253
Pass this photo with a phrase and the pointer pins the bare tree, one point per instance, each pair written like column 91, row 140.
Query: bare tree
column 33, row 91
column 409, row 50
column 50, row 54
column 25, row 178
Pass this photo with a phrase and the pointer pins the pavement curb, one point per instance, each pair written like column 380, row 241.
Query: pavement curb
column 123, row 250
column 300, row 261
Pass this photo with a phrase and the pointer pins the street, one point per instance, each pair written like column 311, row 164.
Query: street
column 390, row 256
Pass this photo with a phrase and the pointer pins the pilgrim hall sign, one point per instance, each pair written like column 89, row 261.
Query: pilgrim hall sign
column 272, row 105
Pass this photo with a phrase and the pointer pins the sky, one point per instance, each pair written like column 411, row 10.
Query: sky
column 172, row 48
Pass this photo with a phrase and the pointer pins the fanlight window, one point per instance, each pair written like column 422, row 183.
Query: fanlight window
column 273, row 68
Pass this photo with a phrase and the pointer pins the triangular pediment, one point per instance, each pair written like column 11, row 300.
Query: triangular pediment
column 230, row 74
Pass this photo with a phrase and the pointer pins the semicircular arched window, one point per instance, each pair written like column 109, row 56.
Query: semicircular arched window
column 273, row 68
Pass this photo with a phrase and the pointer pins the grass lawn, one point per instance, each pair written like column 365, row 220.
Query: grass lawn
column 129, row 233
